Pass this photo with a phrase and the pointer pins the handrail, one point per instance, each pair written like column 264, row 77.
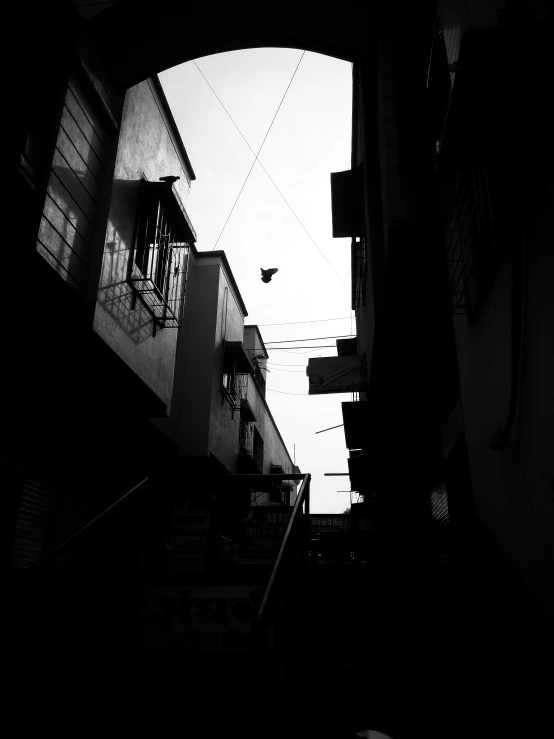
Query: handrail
column 109, row 510
column 304, row 488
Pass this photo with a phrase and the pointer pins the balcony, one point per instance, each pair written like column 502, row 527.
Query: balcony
column 158, row 269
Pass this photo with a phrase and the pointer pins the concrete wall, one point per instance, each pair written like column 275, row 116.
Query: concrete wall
column 202, row 420
column 148, row 149
column 224, row 423
column 275, row 451
column 254, row 346
column 514, row 489
column 189, row 421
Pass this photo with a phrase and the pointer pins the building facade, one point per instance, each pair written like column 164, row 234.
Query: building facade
column 152, row 356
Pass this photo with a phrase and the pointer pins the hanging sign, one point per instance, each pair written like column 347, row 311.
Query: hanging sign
column 262, row 534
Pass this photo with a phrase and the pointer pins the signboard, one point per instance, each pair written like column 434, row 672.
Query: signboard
column 200, row 618
column 337, row 523
column 189, row 541
column 262, row 534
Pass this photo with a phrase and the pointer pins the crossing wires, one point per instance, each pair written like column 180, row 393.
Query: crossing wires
column 261, row 147
column 256, row 159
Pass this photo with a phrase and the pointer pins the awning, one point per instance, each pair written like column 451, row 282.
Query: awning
column 347, row 203
column 356, row 424
column 233, row 351
column 347, row 347
column 335, row 375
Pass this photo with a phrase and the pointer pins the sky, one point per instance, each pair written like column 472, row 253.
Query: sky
column 309, row 139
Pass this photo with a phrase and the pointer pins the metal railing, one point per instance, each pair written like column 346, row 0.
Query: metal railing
column 90, row 526
column 470, row 236
column 303, row 496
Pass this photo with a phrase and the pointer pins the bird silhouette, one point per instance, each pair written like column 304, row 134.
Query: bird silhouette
column 267, row 274
column 170, row 179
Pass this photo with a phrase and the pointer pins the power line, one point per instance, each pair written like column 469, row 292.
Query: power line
column 314, row 338
column 259, row 150
column 267, row 173
column 324, row 346
column 278, row 364
column 283, row 393
column 293, row 323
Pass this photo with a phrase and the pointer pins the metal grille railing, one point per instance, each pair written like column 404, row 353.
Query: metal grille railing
column 160, row 264
column 441, row 523
column 470, row 242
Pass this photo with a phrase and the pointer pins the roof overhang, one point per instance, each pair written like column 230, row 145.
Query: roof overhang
column 234, row 352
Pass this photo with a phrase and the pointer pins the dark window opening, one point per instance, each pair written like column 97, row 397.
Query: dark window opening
column 258, row 450
column 246, row 438
column 359, row 269
column 228, row 381
column 260, row 379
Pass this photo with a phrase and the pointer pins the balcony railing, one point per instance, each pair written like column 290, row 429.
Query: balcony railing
column 158, row 269
column 471, row 245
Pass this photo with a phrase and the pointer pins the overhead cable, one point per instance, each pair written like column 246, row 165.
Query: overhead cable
column 269, row 176
column 283, row 393
column 277, row 364
column 323, row 346
column 259, row 150
column 313, row 338
column 293, row 323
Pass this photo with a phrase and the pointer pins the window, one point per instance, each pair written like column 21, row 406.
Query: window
column 471, row 243
column 260, row 379
column 160, row 257
column 359, row 269
column 229, row 380
column 246, row 438
column 258, row 450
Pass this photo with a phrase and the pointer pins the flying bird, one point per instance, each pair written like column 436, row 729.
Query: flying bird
column 267, row 274
column 170, row 179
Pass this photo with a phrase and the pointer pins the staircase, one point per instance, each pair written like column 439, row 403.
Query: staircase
column 293, row 649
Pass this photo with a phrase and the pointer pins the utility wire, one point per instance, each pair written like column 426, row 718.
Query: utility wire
column 269, row 176
column 277, row 364
column 259, row 150
column 324, row 346
column 314, row 338
column 293, row 323
column 283, row 393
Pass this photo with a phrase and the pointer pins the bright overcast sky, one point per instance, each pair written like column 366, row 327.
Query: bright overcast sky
column 310, row 138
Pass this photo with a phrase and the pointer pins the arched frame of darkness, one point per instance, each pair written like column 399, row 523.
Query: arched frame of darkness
column 154, row 35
